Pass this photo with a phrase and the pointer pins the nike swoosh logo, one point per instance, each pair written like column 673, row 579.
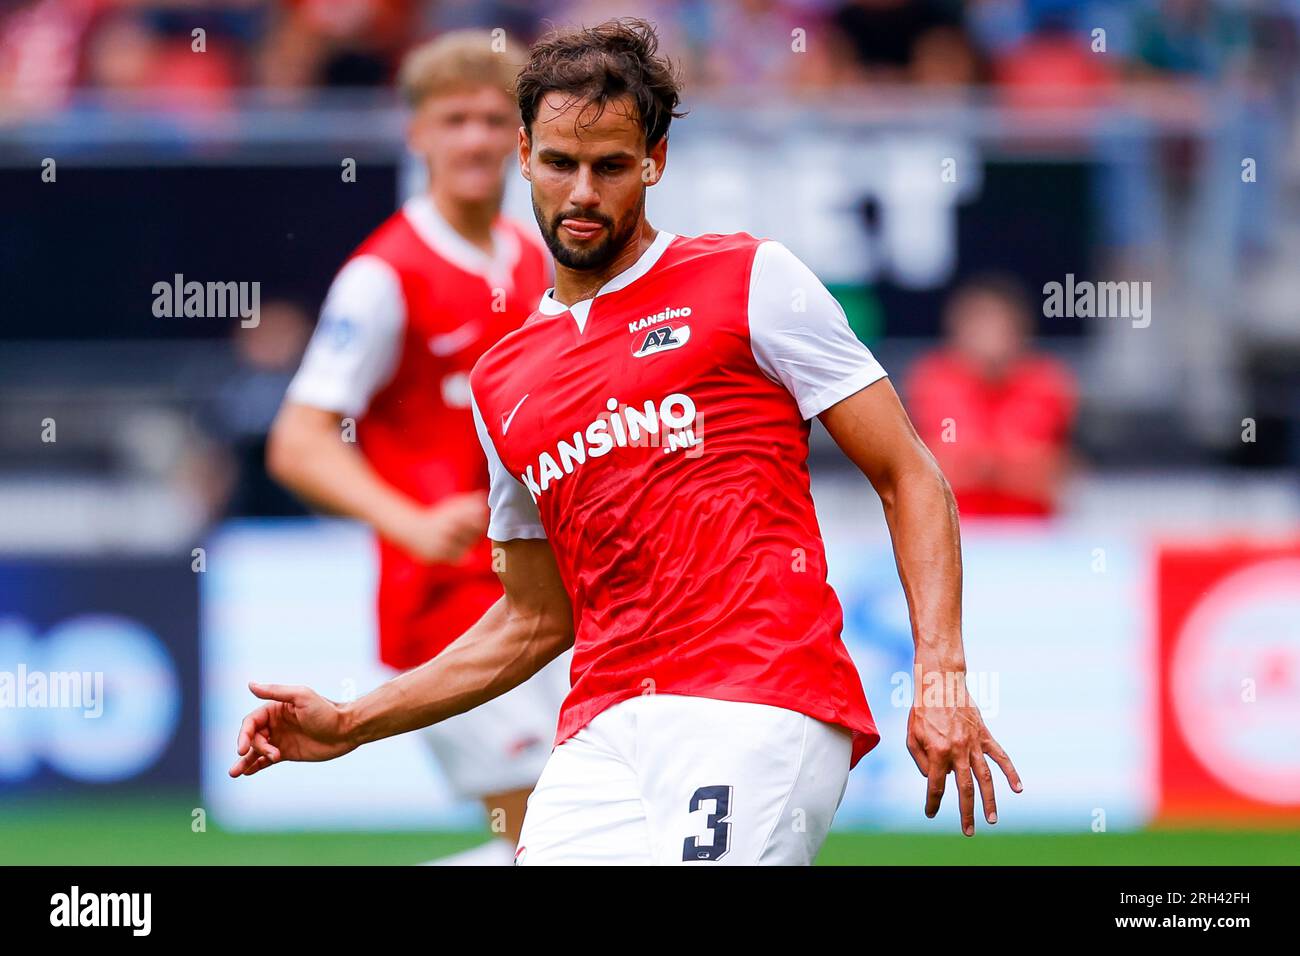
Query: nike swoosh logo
column 507, row 419
column 451, row 342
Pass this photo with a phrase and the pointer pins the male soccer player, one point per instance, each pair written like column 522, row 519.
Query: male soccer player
column 647, row 433
column 404, row 321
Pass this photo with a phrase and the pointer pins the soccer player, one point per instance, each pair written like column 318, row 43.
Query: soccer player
column 647, row 433
column 1016, row 404
column 402, row 325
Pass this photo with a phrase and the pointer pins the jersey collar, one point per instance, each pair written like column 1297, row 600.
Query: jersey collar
column 440, row 236
column 580, row 310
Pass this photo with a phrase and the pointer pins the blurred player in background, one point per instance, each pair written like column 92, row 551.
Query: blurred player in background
column 647, row 436
column 997, row 414
column 377, row 425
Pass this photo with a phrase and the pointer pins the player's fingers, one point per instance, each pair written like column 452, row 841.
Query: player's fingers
column 264, row 747
column 467, row 538
column 454, row 543
column 248, row 765
column 918, row 755
column 984, row 778
column 246, row 731
column 240, row 766
column 452, row 552
column 965, row 797
column 284, row 692
column 994, row 750
column 260, row 764
column 934, row 788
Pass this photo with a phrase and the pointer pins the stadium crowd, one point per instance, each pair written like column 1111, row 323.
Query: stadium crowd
column 295, row 48
column 1155, row 194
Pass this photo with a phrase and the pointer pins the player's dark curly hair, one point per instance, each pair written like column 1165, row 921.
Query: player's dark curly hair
column 602, row 63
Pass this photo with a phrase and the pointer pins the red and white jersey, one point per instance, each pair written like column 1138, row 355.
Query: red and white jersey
column 657, row 434
column 402, row 325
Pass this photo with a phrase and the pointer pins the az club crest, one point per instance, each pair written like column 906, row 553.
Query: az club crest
column 664, row 338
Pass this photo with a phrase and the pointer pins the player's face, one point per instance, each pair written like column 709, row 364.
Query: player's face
column 466, row 136
column 589, row 177
column 986, row 330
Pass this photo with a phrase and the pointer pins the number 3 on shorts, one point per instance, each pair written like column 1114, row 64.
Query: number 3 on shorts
column 717, row 824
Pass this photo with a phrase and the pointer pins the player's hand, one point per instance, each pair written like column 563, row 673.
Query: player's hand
column 297, row 724
column 952, row 738
column 445, row 532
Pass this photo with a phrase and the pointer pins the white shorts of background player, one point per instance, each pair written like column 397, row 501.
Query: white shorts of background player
column 503, row 745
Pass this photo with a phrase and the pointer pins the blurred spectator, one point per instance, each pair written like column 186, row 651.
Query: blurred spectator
column 762, row 44
column 919, row 41
column 995, row 26
column 1031, row 49
column 996, row 414
column 122, row 55
column 267, row 356
column 40, row 43
column 132, row 51
column 1053, row 66
column 1195, row 37
column 336, row 43
column 519, row 18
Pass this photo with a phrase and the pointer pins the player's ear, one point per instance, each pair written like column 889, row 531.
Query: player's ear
column 652, row 167
column 525, row 151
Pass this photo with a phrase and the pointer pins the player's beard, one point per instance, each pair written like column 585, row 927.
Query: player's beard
column 598, row 255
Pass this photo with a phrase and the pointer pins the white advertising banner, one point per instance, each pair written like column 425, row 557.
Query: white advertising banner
column 292, row 602
column 1059, row 654
column 1059, row 661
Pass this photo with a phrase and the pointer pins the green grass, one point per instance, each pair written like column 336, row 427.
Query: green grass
column 1145, row 848
column 129, row 831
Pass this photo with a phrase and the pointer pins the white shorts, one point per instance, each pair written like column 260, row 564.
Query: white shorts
column 502, row 745
column 665, row 779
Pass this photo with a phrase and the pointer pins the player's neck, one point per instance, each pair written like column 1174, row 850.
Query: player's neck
column 472, row 220
column 574, row 285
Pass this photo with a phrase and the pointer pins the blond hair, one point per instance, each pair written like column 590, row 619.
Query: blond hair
column 459, row 60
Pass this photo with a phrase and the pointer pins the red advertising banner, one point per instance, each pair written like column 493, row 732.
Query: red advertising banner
column 1229, row 683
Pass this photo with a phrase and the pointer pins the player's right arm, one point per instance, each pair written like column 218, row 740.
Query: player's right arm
column 352, row 355
column 526, row 629
column 307, row 454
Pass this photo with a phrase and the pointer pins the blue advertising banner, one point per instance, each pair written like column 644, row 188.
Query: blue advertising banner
column 99, row 674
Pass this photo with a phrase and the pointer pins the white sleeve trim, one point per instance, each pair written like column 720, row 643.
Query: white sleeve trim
column 810, row 350
column 513, row 511
column 357, row 344
column 841, row 390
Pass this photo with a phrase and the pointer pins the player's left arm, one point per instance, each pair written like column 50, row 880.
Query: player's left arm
column 801, row 339
column 949, row 735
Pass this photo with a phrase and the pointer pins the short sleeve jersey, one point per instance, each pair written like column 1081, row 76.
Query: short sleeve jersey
column 657, row 435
